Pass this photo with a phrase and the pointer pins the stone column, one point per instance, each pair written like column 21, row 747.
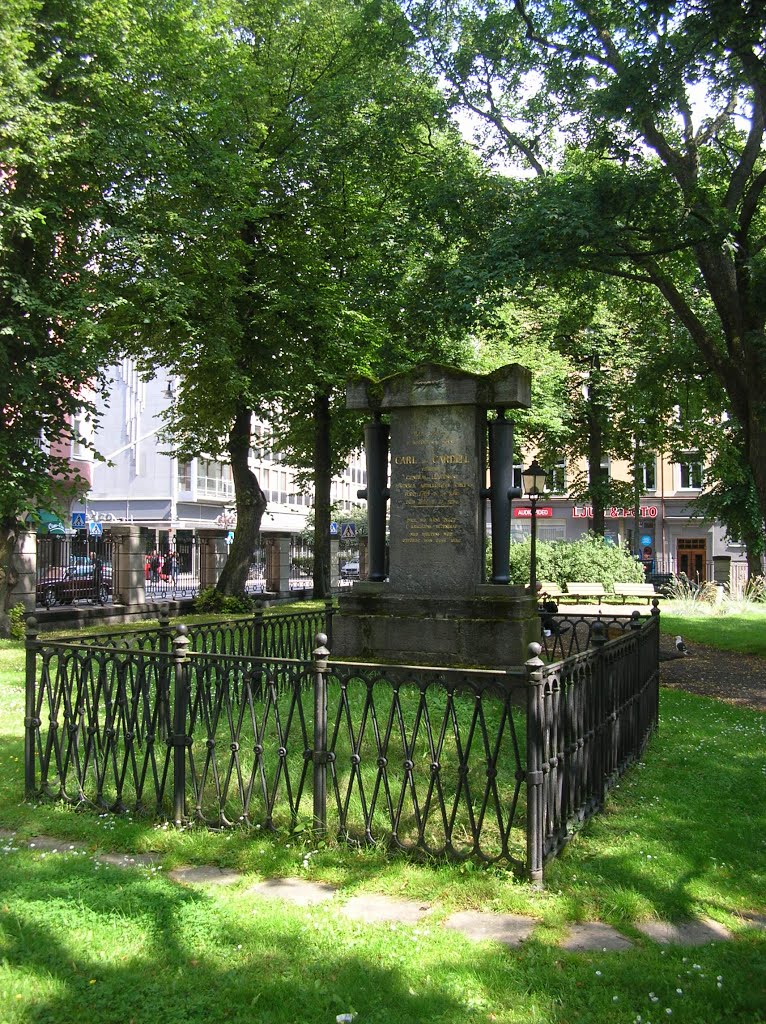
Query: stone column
column 128, row 579
column 24, row 571
column 213, row 552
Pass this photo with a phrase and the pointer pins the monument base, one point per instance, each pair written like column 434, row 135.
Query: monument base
column 492, row 628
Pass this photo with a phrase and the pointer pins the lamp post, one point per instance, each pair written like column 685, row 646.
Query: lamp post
column 533, row 481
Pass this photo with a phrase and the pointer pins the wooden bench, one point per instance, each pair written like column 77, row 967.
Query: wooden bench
column 625, row 590
column 548, row 590
column 577, row 590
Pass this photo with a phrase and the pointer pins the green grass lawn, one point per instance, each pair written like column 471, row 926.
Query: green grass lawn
column 743, row 631
column 684, row 834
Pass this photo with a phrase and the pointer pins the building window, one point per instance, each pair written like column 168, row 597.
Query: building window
column 184, row 476
column 214, row 479
column 647, row 475
column 557, row 481
column 82, row 436
column 691, row 473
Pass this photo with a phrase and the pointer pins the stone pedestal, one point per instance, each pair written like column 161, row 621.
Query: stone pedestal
column 436, row 607
column 492, row 628
column 128, row 577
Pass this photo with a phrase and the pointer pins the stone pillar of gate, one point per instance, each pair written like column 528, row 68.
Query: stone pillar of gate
column 278, row 564
column 722, row 569
column 24, row 571
column 334, row 562
column 128, row 577
column 213, row 552
column 362, row 558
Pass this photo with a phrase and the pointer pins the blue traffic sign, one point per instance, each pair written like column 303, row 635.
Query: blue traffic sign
column 334, row 529
column 95, row 529
column 78, row 520
column 347, row 531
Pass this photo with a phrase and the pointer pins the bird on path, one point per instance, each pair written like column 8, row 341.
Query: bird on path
column 681, row 646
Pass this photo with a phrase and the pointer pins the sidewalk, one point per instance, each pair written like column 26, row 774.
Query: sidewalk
column 374, row 908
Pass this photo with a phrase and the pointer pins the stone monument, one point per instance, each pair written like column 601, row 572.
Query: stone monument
column 434, row 605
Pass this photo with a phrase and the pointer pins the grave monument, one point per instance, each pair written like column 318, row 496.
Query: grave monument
column 449, row 447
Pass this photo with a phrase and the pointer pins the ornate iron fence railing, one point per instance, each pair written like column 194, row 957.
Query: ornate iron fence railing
column 490, row 765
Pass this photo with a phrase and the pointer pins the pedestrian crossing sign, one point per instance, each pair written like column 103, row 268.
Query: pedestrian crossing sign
column 347, row 531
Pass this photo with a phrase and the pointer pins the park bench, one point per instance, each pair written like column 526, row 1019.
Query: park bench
column 577, row 590
column 636, row 590
column 549, row 591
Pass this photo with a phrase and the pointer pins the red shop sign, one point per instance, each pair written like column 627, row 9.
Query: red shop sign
column 525, row 512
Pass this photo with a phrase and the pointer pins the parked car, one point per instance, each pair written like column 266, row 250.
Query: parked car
column 350, row 570
column 75, row 583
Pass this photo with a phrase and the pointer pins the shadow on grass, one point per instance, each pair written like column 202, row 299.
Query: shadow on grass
column 123, row 948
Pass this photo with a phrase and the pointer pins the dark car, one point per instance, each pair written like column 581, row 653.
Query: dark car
column 75, row 582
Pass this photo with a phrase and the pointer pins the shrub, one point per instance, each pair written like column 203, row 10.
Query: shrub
column 17, row 619
column 213, row 601
column 589, row 559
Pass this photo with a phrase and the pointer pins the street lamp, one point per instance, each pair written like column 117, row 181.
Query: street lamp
column 533, row 481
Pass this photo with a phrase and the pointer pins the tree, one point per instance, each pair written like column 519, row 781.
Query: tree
column 284, row 222
column 54, row 64
column 644, row 127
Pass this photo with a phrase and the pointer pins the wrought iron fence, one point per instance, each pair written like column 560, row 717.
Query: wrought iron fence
column 172, row 571
column 301, row 564
column 72, row 570
column 496, row 766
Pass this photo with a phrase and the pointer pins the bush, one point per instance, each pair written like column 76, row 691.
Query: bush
column 589, row 559
column 212, row 601
column 17, row 617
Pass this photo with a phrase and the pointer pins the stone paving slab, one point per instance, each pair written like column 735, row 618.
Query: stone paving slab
column 687, row 933
column 295, row 890
column 204, row 874
column 755, row 920
column 51, row 845
column 126, row 860
column 480, row 926
column 372, row 907
column 593, row 935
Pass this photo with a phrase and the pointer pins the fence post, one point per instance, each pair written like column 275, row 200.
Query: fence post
column 534, row 667
column 180, row 739
column 256, row 638
column 31, row 724
column 319, row 757
column 604, row 702
column 656, row 694
column 164, row 644
column 328, row 614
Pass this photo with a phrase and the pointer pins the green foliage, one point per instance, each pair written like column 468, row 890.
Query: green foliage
column 211, row 600
column 589, row 559
column 17, row 618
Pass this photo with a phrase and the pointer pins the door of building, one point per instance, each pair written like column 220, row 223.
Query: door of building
column 691, row 557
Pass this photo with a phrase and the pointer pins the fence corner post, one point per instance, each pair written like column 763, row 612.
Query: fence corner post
column 320, row 655
column 31, row 723
column 534, row 667
column 180, row 739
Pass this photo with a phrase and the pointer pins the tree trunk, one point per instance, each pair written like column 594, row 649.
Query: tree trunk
column 595, row 472
column 322, row 489
column 7, row 574
column 250, row 503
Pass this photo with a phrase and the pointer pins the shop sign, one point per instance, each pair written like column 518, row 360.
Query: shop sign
column 525, row 512
column 586, row 512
